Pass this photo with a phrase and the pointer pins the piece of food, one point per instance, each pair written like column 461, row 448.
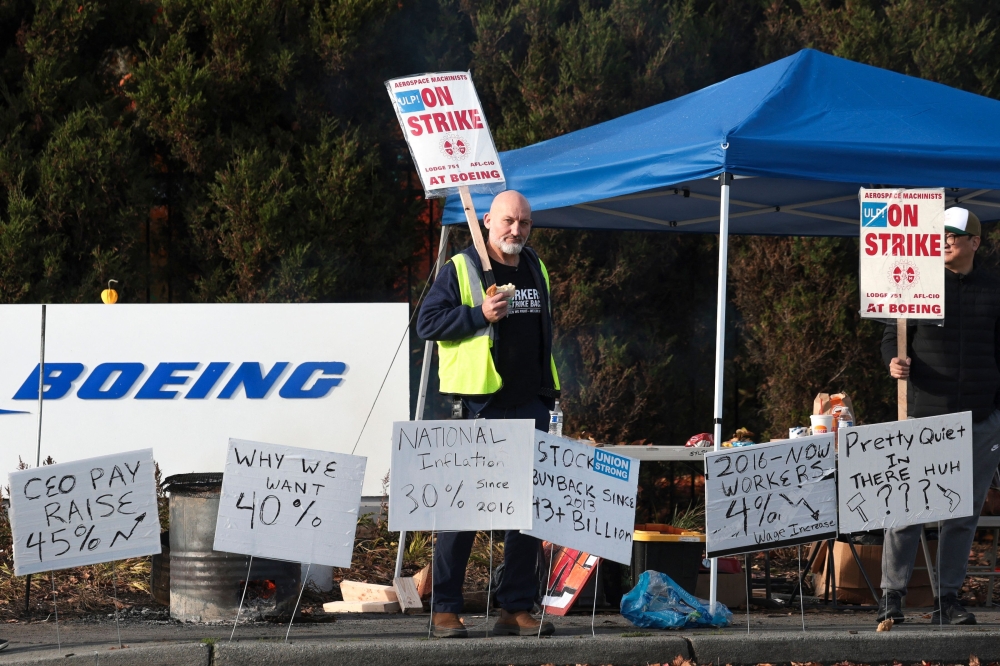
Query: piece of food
column 506, row 289
column 885, row 625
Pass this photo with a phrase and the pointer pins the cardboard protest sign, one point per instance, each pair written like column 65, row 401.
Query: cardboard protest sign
column 288, row 503
column 902, row 254
column 584, row 497
column 461, row 475
column 905, row 472
column 770, row 495
column 445, row 128
column 84, row 512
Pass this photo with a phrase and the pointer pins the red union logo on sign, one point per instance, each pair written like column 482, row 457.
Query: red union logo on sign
column 903, row 274
column 452, row 146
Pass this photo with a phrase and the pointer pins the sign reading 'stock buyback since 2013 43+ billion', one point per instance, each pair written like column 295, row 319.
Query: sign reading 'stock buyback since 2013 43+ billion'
column 446, row 130
column 902, row 254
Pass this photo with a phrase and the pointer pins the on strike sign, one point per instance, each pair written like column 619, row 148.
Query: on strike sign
column 288, row 503
column 84, row 512
column 902, row 254
column 446, row 130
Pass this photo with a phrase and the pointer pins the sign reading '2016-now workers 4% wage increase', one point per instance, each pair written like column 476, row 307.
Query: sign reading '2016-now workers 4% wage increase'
column 84, row 512
column 584, row 497
column 461, row 475
column 905, row 472
column 289, row 503
column 770, row 495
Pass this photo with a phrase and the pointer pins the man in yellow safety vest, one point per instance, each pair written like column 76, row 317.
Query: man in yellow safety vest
column 495, row 357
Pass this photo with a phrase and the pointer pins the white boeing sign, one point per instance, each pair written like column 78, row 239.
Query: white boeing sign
column 184, row 379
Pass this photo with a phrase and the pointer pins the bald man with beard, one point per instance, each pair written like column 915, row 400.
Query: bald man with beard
column 496, row 359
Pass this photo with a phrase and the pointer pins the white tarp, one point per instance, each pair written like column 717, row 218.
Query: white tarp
column 84, row 512
column 905, row 472
column 184, row 378
column 461, row 475
column 289, row 503
column 902, row 254
column 445, row 127
column 584, row 497
column 770, row 495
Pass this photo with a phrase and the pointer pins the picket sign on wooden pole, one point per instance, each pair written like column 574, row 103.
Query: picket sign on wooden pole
column 477, row 238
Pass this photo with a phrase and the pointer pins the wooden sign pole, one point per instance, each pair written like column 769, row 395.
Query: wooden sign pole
column 477, row 239
column 901, row 383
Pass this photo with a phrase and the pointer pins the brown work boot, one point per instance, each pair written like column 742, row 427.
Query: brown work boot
column 520, row 623
column 447, row 625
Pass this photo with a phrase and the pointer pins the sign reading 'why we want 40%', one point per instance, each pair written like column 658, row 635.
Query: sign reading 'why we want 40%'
column 770, row 495
column 461, row 475
column 584, row 497
column 84, row 512
column 289, row 503
column 905, row 472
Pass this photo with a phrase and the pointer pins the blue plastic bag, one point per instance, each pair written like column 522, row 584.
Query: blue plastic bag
column 657, row 601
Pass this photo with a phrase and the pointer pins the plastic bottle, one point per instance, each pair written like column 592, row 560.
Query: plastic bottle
column 845, row 419
column 556, row 420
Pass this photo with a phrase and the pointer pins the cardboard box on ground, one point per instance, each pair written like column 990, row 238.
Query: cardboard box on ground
column 851, row 587
column 732, row 590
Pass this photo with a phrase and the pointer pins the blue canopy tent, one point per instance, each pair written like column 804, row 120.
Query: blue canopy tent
column 781, row 150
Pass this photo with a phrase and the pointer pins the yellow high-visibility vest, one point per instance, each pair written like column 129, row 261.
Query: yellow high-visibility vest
column 465, row 367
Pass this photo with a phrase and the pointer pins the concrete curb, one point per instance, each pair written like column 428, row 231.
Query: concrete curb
column 486, row 652
column 176, row 654
column 832, row 647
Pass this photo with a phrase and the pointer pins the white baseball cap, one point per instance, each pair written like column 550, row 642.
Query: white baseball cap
column 962, row 221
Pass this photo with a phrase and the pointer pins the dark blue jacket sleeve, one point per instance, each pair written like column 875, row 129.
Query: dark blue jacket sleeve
column 442, row 316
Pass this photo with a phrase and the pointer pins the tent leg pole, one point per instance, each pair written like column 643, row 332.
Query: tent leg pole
column 720, row 348
column 425, row 375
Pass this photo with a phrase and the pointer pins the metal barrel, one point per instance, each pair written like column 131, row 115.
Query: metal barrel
column 206, row 584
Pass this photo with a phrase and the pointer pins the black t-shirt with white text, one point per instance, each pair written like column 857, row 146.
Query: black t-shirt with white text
column 518, row 348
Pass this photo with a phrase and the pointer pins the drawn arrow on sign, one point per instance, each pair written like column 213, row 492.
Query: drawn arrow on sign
column 812, row 512
column 138, row 520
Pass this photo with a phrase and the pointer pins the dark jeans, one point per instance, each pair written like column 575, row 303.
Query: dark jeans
column 519, row 582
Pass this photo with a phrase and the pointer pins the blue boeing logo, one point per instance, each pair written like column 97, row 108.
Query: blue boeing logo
column 112, row 381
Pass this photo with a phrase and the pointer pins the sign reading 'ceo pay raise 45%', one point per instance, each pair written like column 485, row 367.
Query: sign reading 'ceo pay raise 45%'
column 905, row 472
column 84, row 512
column 461, row 475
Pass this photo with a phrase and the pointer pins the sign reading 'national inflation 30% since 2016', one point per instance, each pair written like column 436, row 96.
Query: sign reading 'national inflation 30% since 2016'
column 461, row 475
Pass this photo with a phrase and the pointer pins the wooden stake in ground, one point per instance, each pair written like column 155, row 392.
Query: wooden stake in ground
column 901, row 383
column 477, row 239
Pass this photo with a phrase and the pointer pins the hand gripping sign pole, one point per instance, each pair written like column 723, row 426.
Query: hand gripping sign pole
column 902, row 261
